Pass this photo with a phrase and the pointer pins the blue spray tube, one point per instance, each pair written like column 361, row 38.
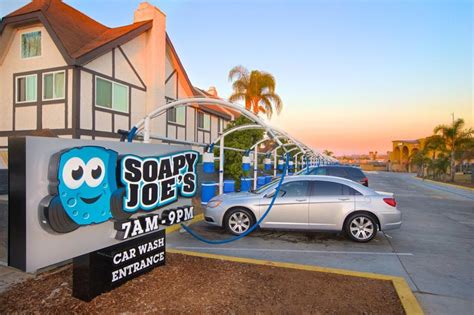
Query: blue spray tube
column 253, row 227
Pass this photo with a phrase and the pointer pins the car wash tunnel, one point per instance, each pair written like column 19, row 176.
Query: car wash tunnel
column 259, row 167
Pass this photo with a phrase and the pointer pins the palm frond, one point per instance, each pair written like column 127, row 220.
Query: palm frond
column 238, row 72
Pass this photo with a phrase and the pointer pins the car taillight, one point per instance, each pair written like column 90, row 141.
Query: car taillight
column 390, row 201
column 365, row 181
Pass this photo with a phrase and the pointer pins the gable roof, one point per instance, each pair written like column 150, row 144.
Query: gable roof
column 78, row 37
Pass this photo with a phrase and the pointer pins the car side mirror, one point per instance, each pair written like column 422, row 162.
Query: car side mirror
column 270, row 194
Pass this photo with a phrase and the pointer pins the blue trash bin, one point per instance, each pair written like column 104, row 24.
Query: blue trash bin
column 245, row 163
column 267, row 164
column 260, row 181
column 208, row 162
column 281, row 164
column 246, row 183
column 208, row 190
column 229, row 186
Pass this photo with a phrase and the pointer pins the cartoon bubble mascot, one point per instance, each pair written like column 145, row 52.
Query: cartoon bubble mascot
column 82, row 181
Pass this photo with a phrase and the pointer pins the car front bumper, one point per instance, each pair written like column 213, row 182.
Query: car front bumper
column 213, row 216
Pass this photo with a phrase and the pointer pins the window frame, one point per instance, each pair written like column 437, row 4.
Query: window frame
column 113, row 98
column 308, row 188
column 54, row 85
column 21, row 44
column 315, row 182
column 175, row 122
column 16, row 88
column 202, row 128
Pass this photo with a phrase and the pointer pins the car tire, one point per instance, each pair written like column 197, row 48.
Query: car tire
column 361, row 227
column 116, row 205
column 54, row 216
column 237, row 221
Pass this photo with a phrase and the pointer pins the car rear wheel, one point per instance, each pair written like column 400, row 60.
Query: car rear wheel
column 238, row 221
column 361, row 227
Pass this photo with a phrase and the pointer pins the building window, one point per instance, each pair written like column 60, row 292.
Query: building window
column 53, row 85
column 220, row 126
column 204, row 121
column 177, row 115
column 31, row 44
column 111, row 95
column 25, row 88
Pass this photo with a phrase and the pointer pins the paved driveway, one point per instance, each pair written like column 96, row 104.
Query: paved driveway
column 433, row 250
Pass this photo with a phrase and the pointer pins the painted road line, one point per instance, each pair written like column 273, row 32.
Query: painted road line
column 292, row 251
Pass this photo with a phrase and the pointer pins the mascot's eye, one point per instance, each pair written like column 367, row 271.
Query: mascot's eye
column 73, row 173
column 95, row 172
column 77, row 173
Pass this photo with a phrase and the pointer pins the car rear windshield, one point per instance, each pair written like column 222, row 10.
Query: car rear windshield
column 337, row 171
column 355, row 173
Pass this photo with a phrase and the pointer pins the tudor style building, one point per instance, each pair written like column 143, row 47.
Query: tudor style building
column 67, row 73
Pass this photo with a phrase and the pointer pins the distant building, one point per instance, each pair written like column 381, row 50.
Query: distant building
column 402, row 150
column 67, row 73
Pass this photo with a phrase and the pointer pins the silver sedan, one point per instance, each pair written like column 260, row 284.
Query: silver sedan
column 308, row 202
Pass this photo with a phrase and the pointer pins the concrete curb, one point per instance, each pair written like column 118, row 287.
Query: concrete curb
column 176, row 227
column 444, row 184
column 407, row 298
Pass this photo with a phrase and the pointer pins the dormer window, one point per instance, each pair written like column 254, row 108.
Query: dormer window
column 31, row 44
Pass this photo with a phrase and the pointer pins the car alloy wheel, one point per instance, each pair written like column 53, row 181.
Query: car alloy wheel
column 239, row 222
column 362, row 228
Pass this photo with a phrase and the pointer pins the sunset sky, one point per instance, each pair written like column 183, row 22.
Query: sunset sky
column 353, row 75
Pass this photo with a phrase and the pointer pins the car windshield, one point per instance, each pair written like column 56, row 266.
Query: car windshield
column 266, row 186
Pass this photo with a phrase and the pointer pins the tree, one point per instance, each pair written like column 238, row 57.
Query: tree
column 256, row 89
column 420, row 159
column 328, row 153
column 242, row 139
column 454, row 136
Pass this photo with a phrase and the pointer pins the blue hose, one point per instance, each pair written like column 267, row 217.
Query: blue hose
column 131, row 134
column 253, row 227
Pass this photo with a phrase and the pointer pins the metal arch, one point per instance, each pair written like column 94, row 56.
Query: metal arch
column 264, row 140
column 144, row 123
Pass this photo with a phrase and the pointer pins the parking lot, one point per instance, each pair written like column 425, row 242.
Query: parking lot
column 433, row 250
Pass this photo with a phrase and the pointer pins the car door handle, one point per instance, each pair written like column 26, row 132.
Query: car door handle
column 301, row 200
column 344, row 199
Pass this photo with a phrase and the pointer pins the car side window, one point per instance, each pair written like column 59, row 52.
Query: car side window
column 349, row 191
column 337, row 171
column 323, row 188
column 355, row 173
column 294, row 189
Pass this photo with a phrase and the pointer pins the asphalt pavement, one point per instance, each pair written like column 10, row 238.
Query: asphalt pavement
column 433, row 250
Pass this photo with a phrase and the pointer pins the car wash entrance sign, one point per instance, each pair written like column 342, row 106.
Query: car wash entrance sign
column 102, row 203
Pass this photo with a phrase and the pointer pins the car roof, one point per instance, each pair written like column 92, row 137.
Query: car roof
column 334, row 179
column 346, row 166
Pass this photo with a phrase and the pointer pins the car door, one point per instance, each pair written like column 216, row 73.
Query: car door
column 329, row 203
column 290, row 210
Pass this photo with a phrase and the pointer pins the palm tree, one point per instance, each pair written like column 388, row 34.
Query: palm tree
column 328, row 153
column 257, row 89
column 453, row 136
